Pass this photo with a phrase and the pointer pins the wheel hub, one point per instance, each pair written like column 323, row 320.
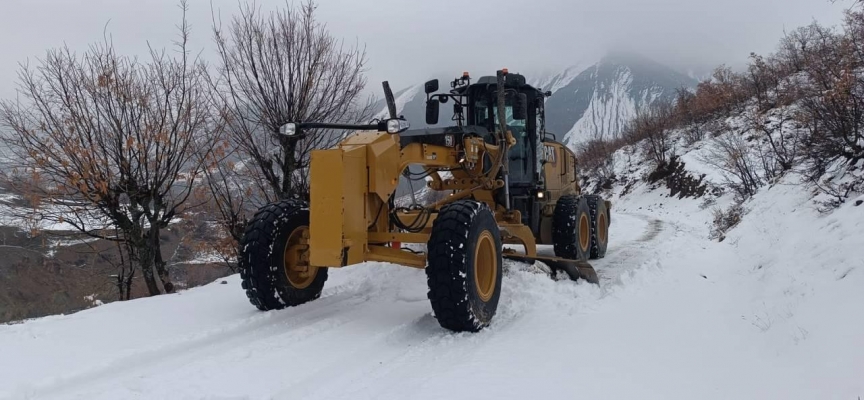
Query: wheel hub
column 295, row 259
column 602, row 228
column 584, row 232
column 485, row 266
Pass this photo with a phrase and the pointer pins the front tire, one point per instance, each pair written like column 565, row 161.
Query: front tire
column 465, row 266
column 271, row 262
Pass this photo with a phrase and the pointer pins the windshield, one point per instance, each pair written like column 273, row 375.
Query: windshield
column 520, row 154
column 481, row 115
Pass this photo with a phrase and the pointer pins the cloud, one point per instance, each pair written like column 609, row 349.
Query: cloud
column 407, row 41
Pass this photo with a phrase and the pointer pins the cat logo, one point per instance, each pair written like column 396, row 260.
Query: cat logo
column 449, row 141
column 549, row 154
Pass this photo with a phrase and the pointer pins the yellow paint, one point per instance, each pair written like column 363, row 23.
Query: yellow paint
column 338, row 209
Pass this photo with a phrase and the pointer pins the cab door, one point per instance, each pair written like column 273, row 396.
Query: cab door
column 555, row 156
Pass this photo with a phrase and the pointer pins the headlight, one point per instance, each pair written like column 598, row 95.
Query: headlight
column 397, row 125
column 288, row 129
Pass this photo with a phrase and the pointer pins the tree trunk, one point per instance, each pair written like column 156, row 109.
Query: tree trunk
column 289, row 163
column 129, row 285
column 158, row 262
column 143, row 252
column 145, row 262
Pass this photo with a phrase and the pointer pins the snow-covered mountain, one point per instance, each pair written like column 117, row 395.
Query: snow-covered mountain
column 602, row 98
column 590, row 99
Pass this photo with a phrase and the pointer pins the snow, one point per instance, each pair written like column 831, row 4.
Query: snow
column 401, row 100
column 612, row 107
column 771, row 312
column 554, row 80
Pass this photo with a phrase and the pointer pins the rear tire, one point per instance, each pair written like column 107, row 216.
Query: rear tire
column 571, row 228
column 264, row 265
column 465, row 266
column 599, row 226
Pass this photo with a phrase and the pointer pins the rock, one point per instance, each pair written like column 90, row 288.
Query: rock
column 859, row 202
column 224, row 282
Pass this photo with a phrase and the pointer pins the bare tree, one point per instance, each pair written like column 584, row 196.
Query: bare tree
column 689, row 116
column 277, row 68
column 796, row 45
column 735, row 160
column 777, row 130
column 597, row 160
column 654, row 126
column 109, row 142
column 834, row 105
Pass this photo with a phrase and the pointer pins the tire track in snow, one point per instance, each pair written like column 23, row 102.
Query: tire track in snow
column 407, row 335
column 329, row 313
column 341, row 308
column 525, row 288
column 654, row 229
column 624, row 257
column 630, row 255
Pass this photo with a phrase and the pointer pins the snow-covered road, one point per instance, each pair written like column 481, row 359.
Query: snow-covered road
column 666, row 322
column 370, row 335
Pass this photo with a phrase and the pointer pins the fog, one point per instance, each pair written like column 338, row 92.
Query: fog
column 407, row 41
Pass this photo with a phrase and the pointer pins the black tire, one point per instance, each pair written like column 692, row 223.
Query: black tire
column 599, row 226
column 465, row 266
column 262, row 270
column 570, row 218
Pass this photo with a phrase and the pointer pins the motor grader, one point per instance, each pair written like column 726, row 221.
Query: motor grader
column 502, row 179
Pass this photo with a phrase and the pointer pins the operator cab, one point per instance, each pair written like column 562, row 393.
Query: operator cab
column 482, row 112
column 475, row 113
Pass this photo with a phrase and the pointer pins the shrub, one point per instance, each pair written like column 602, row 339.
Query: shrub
column 680, row 182
column 725, row 220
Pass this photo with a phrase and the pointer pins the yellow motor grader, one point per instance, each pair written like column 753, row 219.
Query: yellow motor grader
column 502, row 179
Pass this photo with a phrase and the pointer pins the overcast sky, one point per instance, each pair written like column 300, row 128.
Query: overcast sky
column 408, row 41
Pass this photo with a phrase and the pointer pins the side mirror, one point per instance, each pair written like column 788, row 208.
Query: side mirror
column 432, row 110
column 431, row 86
column 520, row 110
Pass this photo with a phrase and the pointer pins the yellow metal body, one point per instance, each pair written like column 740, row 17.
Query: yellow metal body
column 352, row 184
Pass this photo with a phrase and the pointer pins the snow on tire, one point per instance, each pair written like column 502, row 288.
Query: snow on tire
column 264, row 263
column 571, row 227
column 599, row 226
column 465, row 266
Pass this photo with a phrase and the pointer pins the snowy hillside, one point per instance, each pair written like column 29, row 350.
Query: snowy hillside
column 770, row 312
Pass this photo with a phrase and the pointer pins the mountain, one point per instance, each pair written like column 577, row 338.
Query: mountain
column 588, row 100
column 601, row 99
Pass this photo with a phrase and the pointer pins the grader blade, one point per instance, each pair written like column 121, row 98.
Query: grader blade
column 574, row 268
